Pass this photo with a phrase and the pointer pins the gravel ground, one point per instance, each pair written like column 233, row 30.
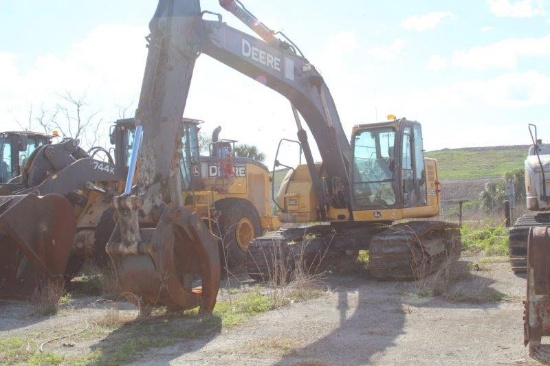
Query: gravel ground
column 476, row 320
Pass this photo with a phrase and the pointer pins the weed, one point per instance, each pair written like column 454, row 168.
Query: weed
column 113, row 319
column 65, row 298
column 46, row 298
column 19, row 351
column 239, row 308
column 96, row 281
column 441, row 281
column 478, row 295
column 274, row 346
column 489, row 240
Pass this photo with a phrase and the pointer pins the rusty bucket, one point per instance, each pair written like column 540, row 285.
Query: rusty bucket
column 36, row 238
column 175, row 264
column 537, row 305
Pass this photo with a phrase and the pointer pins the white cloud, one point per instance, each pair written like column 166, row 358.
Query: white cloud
column 500, row 55
column 508, row 91
column 436, row 63
column 516, row 9
column 486, row 28
column 107, row 66
column 390, row 52
column 424, row 22
column 503, row 54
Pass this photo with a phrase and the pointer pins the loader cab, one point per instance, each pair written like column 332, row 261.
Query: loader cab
column 190, row 162
column 15, row 148
column 388, row 166
column 122, row 137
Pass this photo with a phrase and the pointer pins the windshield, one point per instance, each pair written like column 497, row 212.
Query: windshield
column 5, row 160
column 374, row 168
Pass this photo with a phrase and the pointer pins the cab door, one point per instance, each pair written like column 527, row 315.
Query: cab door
column 413, row 185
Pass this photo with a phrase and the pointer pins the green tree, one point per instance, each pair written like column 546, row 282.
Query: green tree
column 518, row 176
column 494, row 194
column 249, row 151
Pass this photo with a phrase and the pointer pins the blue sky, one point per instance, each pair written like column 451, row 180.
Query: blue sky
column 474, row 72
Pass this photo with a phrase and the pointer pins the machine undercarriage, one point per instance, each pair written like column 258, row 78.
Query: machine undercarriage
column 406, row 251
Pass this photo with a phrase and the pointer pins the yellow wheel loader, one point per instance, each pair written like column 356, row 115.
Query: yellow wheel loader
column 233, row 204
column 15, row 148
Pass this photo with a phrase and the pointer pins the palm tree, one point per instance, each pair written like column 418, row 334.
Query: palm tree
column 249, row 151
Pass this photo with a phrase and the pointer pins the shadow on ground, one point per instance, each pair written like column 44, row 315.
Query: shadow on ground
column 374, row 325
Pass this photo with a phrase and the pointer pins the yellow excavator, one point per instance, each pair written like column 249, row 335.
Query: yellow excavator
column 163, row 253
column 367, row 191
column 348, row 201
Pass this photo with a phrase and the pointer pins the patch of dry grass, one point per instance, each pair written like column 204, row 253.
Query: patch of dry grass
column 46, row 298
column 279, row 346
column 461, row 282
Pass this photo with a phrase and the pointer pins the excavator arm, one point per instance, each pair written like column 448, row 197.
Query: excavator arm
column 162, row 253
column 279, row 65
column 293, row 76
column 160, row 249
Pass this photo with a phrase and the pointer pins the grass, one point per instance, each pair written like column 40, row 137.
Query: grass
column 274, row 346
column 17, row 350
column 478, row 163
column 466, row 163
column 487, row 240
column 121, row 337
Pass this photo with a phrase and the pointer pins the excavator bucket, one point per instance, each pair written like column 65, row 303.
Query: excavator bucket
column 36, row 238
column 536, row 316
column 176, row 264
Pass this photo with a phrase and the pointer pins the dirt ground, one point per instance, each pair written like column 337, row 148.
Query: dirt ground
column 475, row 320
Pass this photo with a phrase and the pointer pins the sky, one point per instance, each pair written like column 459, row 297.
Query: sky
column 473, row 72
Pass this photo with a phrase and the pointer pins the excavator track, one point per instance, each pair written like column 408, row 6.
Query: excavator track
column 407, row 251
column 518, row 235
column 413, row 250
column 276, row 255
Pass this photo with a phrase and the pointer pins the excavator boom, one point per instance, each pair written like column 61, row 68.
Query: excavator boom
column 162, row 253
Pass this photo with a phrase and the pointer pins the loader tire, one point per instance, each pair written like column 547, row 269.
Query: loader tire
column 103, row 231
column 239, row 223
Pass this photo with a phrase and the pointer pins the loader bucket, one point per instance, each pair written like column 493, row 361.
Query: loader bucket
column 36, row 237
column 177, row 264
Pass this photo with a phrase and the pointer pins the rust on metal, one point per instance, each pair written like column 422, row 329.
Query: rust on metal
column 36, row 238
column 177, row 264
column 537, row 305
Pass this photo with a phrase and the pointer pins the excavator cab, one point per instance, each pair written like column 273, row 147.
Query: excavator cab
column 388, row 170
column 15, row 148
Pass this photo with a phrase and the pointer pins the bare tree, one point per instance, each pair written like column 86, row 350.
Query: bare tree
column 72, row 116
column 43, row 119
column 73, row 119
